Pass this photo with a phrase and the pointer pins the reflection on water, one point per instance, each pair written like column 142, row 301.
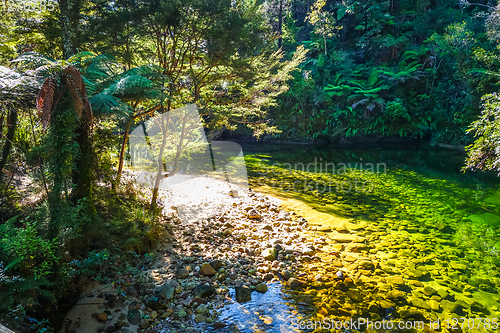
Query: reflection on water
column 273, row 311
column 431, row 236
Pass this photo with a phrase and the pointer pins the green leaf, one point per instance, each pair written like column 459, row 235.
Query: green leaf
column 106, row 104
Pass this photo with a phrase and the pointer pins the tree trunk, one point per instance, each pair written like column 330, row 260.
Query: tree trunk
column 122, row 152
column 83, row 176
column 11, row 130
column 160, row 164
column 280, row 22
column 159, row 175
column 70, row 16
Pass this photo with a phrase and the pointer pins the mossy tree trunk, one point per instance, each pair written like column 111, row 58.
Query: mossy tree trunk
column 70, row 16
column 7, row 147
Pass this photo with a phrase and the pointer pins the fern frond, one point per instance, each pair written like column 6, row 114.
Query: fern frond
column 45, row 100
column 76, row 78
column 81, row 57
column 87, row 108
column 32, row 60
column 129, row 86
column 107, row 104
column 148, row 71
column 13, row 263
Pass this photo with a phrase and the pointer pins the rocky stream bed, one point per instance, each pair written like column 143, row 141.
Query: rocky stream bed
column 253, row 246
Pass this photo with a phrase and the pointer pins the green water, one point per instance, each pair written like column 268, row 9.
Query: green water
column 424, row 219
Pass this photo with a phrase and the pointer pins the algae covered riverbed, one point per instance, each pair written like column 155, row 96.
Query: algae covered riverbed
column 414, row 237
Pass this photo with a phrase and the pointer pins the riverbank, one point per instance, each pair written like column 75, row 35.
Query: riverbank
column 247, row 245
column 362, row 141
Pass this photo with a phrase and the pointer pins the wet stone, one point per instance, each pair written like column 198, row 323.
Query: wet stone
column 261, row 287
column 355, row 295
column 420, row 303
column 395, row 280
column 243, row 294
column 134, row 317
column 207, row 269
column 429, row 291
column 203, row 291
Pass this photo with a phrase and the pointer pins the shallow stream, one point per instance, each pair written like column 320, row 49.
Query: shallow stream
column 415, row 238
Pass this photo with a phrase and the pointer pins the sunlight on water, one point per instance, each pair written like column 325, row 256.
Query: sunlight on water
column 431, row 231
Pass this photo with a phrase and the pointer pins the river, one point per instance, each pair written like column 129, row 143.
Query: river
column 424, row 238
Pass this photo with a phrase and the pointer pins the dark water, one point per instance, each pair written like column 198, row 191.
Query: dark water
column 419, row 194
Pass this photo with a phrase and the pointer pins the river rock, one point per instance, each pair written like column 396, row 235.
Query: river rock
column 373, row 308
column 429, row 291
column 414, row 273
column 181, row 273
column 134, row 317
column 269, row 254
column 286, row 275
column 347, row 238
column 199, row 318
column 411, row 313
column 395, row 280
column 203, row 291
column 219, row 325
column 145, row 323
column 386, row 304
column 434, row 305
column 296, row 283
column 253, row 214
column 451, row 307
column 261, row 287
column 166, row 290
column 420, row 303
column 202, row 309
column 102, row 317
column 355, row 295
column 366, row 264
column 442, row 293
column 216, row 264
column 243, row 294
column 395, row 294
column 207, row 269
column 458, row 266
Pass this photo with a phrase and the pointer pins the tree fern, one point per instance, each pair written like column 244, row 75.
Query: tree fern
column 338, row 87
column 17, row 88
column 106, row 104
column 129, row 87
column 32, row 60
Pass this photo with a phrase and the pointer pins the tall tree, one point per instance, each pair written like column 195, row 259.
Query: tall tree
column 215, row 54
column 69, row 20
column 323, row 21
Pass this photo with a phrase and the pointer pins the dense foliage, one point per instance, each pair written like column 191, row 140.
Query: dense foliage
column 71, row 91
column 76, row 77
column 388, row 68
